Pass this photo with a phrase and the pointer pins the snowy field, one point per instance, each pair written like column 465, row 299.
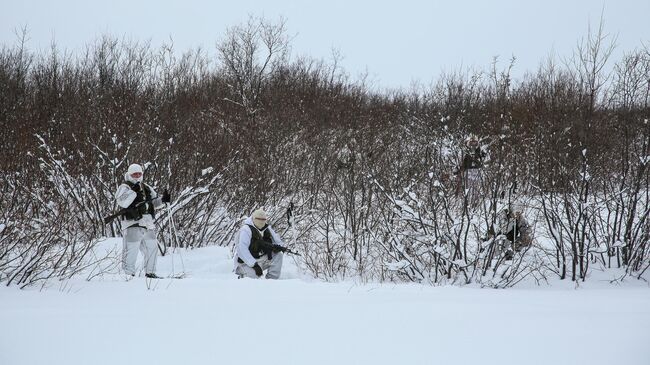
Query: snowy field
column 210, row 317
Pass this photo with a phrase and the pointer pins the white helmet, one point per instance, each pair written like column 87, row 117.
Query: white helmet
column 133, row 169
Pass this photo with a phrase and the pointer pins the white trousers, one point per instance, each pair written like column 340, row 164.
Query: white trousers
column 472, row 186
column 142, row 239
column 274, row 266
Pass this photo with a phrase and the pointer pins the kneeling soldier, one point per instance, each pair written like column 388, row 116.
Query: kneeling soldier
column 258, row 248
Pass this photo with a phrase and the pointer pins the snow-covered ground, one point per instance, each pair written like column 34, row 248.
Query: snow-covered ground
column 210, row 317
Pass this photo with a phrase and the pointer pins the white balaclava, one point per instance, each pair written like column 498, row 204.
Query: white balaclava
column 259, row 218
column 517, row 209
column 133, row 169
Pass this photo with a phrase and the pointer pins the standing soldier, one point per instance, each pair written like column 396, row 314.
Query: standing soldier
column 138, row 228
column 470, row 169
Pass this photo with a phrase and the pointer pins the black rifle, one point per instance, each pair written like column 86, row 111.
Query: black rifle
column 267, row 246
column 109, row 218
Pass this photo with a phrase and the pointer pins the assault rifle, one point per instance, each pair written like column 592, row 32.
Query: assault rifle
column 266, row 246
column 109, row 218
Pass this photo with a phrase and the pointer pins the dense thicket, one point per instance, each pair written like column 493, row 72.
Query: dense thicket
column 253, row 127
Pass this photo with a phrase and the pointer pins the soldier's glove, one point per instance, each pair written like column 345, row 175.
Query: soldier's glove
column 258, row 270
column 166, row 198
column 136, row 187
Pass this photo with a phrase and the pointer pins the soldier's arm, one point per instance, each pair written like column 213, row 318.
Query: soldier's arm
column 244, row 243
column 157, row 201
column 125, row 196
column 276, row 238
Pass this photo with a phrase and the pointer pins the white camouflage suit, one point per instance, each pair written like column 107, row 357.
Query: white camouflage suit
column 242, row 244
column 137, row 234
column 514, row 226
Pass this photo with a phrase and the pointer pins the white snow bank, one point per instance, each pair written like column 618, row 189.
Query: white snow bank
column 213, row 318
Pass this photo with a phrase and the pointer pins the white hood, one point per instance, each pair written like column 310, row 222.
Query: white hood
column 133, row 169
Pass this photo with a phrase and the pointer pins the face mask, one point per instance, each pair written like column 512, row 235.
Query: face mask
column 136, row 179
column 133, row 179
column 259, row 223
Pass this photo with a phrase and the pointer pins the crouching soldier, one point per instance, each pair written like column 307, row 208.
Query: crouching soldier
column 137, row 223
column 512, row 229
column 258, row 248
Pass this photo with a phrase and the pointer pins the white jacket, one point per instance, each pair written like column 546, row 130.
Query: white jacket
column 243, row 242
column 125, row 197
column 506, row 223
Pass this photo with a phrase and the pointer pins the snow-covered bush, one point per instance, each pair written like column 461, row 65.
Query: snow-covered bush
column 373, row 176
column 41, row 237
